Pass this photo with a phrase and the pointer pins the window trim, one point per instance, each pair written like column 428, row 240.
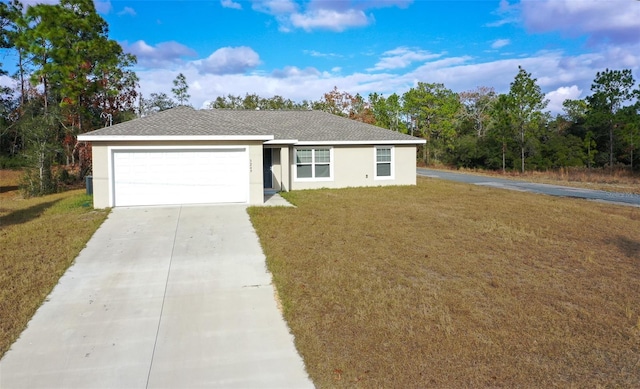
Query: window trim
column 313, row 164
column 375, row 163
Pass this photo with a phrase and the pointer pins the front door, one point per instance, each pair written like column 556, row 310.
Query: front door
column 267, row 163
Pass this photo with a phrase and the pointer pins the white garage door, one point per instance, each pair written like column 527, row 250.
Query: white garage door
column 164, row 177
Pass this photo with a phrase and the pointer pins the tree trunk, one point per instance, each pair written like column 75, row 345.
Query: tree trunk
column 46, row 97
column 45, row 86
column 504, row 159
column 425, row 154
column 428, row 136
column 14, row 144
column 522, row 147
column 21, row 72
column 41, row 169
column 611, row 147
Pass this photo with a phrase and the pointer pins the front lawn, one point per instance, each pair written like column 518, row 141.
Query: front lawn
column 39, row 239
column 453, row 285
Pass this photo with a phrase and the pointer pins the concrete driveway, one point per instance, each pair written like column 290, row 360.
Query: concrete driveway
column 161, row 297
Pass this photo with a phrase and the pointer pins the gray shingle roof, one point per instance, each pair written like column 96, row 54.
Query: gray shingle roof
column 304, row 126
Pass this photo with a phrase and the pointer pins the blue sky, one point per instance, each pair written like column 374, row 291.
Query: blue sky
column 302, row 49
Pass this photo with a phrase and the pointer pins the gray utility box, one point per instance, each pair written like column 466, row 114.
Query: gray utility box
column 89, row 183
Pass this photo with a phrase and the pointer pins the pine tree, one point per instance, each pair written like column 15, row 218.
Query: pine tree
column 180, row 90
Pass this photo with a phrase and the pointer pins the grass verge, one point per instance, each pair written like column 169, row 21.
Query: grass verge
column 40, row 237
column 453, row 285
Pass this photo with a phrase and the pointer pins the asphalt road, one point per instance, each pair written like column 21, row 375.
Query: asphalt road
column 523, row 186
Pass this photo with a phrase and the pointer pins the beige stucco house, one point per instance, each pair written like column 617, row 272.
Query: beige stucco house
column 188, row 156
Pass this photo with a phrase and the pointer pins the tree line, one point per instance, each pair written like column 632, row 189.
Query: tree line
column 70, row 78
column 483, row 129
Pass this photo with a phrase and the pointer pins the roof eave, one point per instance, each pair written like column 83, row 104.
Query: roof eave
column 281, row 142
column 142, row 138
column 361, row 142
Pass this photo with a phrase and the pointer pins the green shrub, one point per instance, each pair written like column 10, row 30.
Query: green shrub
column 12, row 162
column 36, row 183
column 66, row 178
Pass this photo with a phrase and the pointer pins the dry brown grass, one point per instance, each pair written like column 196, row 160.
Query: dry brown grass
column 9, row 182
column 453, row 285
column 619, row 180
column 39, row 238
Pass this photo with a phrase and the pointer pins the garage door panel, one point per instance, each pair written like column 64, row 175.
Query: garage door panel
column 180, row 177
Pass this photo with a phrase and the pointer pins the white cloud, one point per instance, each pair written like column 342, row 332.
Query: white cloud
column 507, row 14
column 558, row 96
column 127, row 11
column 332, row 15
column 402, row 57
column 237, row 71
column 315, row 53
column 330, row 19
column 160, row 55
column 500, row 43
column 103, row 7
column 28, row 3
column 625, row 56
column 295, row 72
column 552, row 69
column 301, row 84
column 6, row 81
column 229, row 60
column 387, row 3
column 461, row 73
column 275, row 7
column 606, row 22
column 230, row 4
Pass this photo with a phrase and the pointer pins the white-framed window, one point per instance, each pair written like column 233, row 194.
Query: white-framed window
column 384, row 166
column 314, row 163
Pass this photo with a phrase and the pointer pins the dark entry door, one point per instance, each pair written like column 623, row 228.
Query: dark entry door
column 266, row 169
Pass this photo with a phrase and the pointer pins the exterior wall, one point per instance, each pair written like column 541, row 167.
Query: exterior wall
column 101, row 166
column 405, row 165
column 354, row 166
column 256, row 189
column 276, row 167
column 285, row 178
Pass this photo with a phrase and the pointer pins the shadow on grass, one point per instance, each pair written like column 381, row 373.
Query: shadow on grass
column 631, row 248
column 4, row 189
column 25, row 215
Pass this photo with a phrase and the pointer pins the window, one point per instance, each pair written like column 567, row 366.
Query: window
column 314, row 163
column 384, row 162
